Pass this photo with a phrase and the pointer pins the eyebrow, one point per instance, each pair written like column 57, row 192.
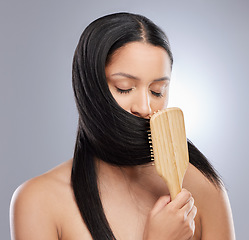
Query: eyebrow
column 136, row 78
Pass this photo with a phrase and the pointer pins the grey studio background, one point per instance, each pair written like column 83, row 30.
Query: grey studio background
column 38, row 117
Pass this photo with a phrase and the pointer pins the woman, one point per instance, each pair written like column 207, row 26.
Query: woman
column 110, row 189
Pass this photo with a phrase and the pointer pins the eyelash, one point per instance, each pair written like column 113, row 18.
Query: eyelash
column 157, row 94
column 125, row 91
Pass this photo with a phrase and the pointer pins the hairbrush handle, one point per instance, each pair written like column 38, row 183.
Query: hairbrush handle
column 170, row 148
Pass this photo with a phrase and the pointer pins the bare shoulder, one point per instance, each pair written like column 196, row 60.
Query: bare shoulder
column 45, row 187
column 35, row 205
column 213, row 205
column 199, row 185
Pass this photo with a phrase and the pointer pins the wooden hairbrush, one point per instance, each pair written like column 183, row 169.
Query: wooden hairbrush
column 169, row 147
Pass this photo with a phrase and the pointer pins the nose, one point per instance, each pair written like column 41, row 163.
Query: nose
column 141, row 105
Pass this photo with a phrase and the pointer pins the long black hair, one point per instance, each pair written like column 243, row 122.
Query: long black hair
column 105, row 130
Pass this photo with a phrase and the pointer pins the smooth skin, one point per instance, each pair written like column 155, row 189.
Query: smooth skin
column 136, row 200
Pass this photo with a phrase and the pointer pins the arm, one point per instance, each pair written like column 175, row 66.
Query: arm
column 216, row 220
column 31, row 217
column 216, row 216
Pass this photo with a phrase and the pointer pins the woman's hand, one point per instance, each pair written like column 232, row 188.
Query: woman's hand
column 172, row 220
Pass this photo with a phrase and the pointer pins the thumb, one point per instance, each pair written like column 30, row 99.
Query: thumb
column 160, row 204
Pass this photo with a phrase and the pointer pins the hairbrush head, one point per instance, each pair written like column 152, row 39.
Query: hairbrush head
column 169, row 147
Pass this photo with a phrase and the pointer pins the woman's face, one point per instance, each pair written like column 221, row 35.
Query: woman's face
column 138, row 75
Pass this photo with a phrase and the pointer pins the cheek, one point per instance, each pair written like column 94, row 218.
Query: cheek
column 165, row 104
column 122, row 99
column 166, row 99
column 160, row 103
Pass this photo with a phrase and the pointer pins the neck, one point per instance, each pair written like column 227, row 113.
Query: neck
column 130, row 173
column 133, row 177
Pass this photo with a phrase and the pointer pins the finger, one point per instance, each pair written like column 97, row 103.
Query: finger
column 181, row 199
column 192, row 213
column 191, row 220
column 192, row 226
column 188, row 206
column 160, row 204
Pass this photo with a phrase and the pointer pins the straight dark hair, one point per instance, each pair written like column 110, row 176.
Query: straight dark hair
column 105, row 130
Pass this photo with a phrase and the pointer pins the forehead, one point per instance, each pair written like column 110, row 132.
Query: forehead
column 133, row 49
column 139, row 56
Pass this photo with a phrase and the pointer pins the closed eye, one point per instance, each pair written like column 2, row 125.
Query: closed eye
column 157, row 94
column 123, row 90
